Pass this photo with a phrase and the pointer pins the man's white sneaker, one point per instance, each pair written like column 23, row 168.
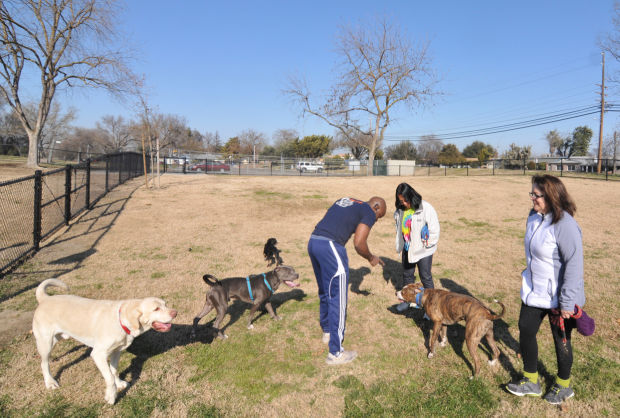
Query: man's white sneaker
column 326, row 338
column 341, row 358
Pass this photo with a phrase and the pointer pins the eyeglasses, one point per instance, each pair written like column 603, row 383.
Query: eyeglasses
column 536, row 196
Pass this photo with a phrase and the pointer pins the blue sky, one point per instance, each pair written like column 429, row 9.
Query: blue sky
column 223, row 65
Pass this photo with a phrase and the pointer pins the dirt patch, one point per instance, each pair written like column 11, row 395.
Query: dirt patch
column 14, row 323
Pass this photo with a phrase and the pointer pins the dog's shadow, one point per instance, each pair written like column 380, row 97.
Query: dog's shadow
column 456, row 332
column 153, row 343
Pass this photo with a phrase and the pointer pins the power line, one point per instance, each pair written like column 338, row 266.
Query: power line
column 556, row 117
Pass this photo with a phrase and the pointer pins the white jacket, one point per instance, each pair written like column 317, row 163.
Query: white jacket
column 425, row 215
column 554, row 253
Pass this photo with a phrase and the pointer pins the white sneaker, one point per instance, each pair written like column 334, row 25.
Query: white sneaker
column 402, row 307
column 326, row 338
column 342, row 357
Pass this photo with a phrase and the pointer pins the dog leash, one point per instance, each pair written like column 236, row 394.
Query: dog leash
column 247, row 279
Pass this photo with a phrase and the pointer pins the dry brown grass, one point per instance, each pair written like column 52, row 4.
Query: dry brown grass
column 160, row 242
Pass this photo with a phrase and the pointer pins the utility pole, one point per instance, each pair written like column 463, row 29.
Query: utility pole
column 600, row 132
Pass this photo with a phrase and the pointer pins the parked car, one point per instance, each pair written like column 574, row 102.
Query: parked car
column 309, row 166
column 211, row 166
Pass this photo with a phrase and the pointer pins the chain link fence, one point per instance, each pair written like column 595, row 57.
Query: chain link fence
column 34, row 207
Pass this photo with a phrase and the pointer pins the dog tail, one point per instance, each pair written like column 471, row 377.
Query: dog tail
column 214, row 282
column 41, row 293
column 497, row 316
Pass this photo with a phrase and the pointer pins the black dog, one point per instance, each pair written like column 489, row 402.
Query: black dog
column 271, row 253
column 255, row 289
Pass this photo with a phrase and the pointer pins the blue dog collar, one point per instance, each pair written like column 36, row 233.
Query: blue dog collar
column 418, row 299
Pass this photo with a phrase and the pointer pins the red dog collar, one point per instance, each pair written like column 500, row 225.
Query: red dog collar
column 127, row 330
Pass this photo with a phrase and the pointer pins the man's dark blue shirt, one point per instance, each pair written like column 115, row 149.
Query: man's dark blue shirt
column 343, row 217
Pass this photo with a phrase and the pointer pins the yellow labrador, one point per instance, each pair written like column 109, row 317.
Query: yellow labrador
column 108, row 326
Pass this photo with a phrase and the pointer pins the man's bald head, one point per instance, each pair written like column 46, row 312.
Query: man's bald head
column 378, row 206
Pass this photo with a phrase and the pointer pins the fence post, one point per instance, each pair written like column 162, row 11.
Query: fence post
column 429, row 170
column 67, row 194
column 107, row 171
column 561, row 166
column 271, row 168
column 445, row 170
column 38, row 195
column 467, row 166
column 88, row 184
column 606, row 170
column 493, row 167
column 120, row 168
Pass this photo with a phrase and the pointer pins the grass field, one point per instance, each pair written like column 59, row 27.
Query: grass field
column 159, row 242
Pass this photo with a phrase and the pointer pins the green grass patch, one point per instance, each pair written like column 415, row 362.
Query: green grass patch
column 147, row 399
column 158, row 275
column 54, row 406
column 405, row 397
column 315, row 196
column 271, row 195
column 200, row 410
column 220, row 361
column 475, row 224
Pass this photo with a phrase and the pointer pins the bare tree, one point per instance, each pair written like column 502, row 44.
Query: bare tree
column 555, row 141
column 66, row 43
column 283, row 136
column 252, row 142
column 429, row 148
column 116, row 131
column 357, row 142
column 611, row 42
column 381, row 70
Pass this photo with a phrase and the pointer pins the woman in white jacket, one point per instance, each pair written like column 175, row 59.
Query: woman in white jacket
column 417, row 234
column 552, row 284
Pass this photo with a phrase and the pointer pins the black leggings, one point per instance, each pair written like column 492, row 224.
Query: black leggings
column 530, row 319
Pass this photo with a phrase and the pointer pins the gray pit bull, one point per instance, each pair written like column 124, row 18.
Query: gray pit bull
column 261, row 286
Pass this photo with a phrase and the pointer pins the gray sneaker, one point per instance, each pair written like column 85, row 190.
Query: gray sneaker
column 558, row 394
column 341, row 358
column 402, row 307
column 524, row 387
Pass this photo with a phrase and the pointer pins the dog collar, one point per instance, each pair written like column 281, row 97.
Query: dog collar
column 418, row 299
column 127, row 330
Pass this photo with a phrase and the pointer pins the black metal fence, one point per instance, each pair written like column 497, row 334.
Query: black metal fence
column 582, row 167
column 34, row 207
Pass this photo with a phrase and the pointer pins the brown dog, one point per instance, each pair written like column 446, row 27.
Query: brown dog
column 261, row 286
column 447, row 308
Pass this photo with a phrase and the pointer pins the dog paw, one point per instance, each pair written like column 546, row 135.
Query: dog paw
column 443, row 343
column 110, row 396
column 278, row 318
column 493, row 363
column 120, row 385
column 250, row 326
column 51, row 384
column 431, row 355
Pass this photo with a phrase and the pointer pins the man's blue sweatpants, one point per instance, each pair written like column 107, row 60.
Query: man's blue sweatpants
column 331, row 269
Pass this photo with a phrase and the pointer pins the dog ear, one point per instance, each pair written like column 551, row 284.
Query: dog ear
column 131, row 314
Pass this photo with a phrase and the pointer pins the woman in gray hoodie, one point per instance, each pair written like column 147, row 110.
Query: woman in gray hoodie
column 552, row 285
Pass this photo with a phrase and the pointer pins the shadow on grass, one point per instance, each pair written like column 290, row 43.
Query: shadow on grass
column 456, row 332
column 152, row 343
